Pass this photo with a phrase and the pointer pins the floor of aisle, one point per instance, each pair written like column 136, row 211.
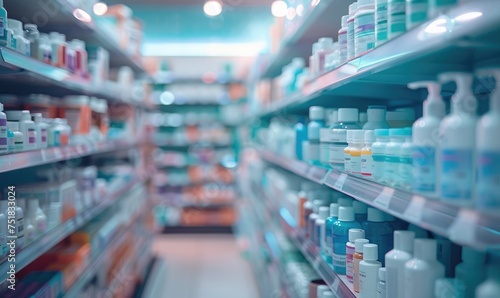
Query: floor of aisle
column 204, row 266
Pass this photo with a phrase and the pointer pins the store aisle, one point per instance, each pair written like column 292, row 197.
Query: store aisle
column 204, row 266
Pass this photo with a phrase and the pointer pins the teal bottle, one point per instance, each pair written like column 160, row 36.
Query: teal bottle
column 380, row 232
column 330, row 221
column 341, row 228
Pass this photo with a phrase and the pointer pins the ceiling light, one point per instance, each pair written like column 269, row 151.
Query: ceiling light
column 100, row 8
column 468, row 16
column 82, row 15
column 279, row 8
column 291, row 13
column 212, row 8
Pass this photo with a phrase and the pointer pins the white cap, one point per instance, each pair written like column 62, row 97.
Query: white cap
column 323, row 212
column 320, row 289
column 348, row 115
column 381, row 273
column 316, row 113
column 346, row 213
column 363, row 117
column 403, row 240
column 298, row 62
column 334, row 210
column 26, row 116
column 358, row 136
column 472, row 256
column 376, row 113
column 369, row 137
column 375, row 215
column 370, row 252
column 359, row 207
column 343, row 22
column 345, row 201
column 353, row 8
column 14, row 115
column 332, row 116
column 362, row 3
column 327, row 294
column 359, row 243
column 356, row 234
column 1, row 4
column 425, row 249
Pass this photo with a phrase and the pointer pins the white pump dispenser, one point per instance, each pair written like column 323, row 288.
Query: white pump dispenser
column 488, row 150
column 425, row 139
column 457, row 135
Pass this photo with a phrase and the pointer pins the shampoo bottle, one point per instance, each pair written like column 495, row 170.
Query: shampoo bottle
column 379, row 232
column 457, row 136
column 368, row 271
column 350, row 248
column 423, row 270
column 425, row 140
column 357, row 258
column 471, row 272
column 395, row 261
column 340, row 237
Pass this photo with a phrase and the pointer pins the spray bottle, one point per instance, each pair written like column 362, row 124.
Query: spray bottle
column 457, row 135
column 425, row 140
column 488, row 150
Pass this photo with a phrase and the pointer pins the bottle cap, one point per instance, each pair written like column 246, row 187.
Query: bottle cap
column 325, row 43
column 348, row 115
column 323, row 212
column 320, row 290
column 26, row 116
column 345, row 201
column 14, row 115
column 369, row 137
column 356, row 234
column 346, row 213
column 375, row 215
column 376, row 113
column 359, row 243
column 403, row 240
column 370, row 252
column 359, row 207
column 381, row 132
column 362, row 3
column 316, row 113
column 381, row 273
column 37, row 117
column 328, row 294
column 425, row 249
column 343, row 22
column 358, row 136
column 472, row 256
column 363, row 117
column 332, row 116
column 298, row 62
column 334, row 210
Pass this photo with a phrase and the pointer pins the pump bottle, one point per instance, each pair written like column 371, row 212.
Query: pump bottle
column 425, row 140
column 488, row 151
column 457, row 136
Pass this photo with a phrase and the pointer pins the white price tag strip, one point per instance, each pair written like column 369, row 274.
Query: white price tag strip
column 340, row 182
column 415, row 209
column 463, row 229
column 384, row 198
column 335, row 285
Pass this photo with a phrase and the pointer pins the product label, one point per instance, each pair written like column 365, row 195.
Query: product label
column 378, row 165
column 488, row 180
column 313, row 151
column 355, row 164
column 339, row 253
column 366, row 164
column 349, row 252
column 31, row 140
column 457, row 174
column 381, row 23
column 397, row 17
column 424, row 168
column 364, row 36
column 338, row 260
column 350, row 39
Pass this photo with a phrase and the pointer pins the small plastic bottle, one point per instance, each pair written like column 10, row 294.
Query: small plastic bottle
column 350, row 249
column 347, row 119
column 381, row 288
column 381, row 32
column 351, row 30
column 33, row 36
column 59, row 45
column 358, row 137
column 357, row 258
column 368, row 271
column 38, row 218
column 325, row 46
column 376, row 118
column 41, row 130
column 378, row 154
column 342, row 38
column 366, row 155
column 364, row 27
column 18, row 136
column 396, row 20
column 329, row 224
column 416, row 12
column 341, row 228
column 317, row 117
column 3, row 131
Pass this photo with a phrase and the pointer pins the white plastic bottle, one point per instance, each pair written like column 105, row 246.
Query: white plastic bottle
column 18, row 136
column 364, row 27
column 44, row 49
column 471, row 272
column 3, row 131
column 491, row 287
column 22, row 44
column 350, row 31
column 350, row 248
column 41, row 131
column 378, row 154
column 425, row 140
column 381, row 285
column 457, row 136
column 381, row 32
column 29, row 228
column 395, row 261
column 423, row 270
column 343, row 40
column 396, row 17
column 376, row 118
column 26, row 127
column 368, row 271
column 488, row 151
column 19, row 225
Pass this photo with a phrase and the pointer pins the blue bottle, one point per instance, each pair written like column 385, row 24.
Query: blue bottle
column 300, row 136
column 330, row 221
column 341, row 228
column 317, row 117
column 379, row 231
column 360, row 211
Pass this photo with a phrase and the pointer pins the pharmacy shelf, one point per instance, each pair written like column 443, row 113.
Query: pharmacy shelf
column 22, row 160
column 52, row 237
column 61, row 16
column 300, row 35
column 20, row 74
column 459, row 40
column 197, row 230
column 464, row 226
column 186, row 146
column 338, row 284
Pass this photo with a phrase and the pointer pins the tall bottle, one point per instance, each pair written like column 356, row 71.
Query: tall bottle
column 368, row 271
column 423, row 270
column 491, row 287
column 300, row 136
column 350, row 248
column 340, row 237
column 33, row 36
column 457, row 136
column 488, row 151
column 471, row 272
column 329, row 224
column 317, row 121
column 18, row 136
column 395, row 261
column 425, row 140
column 379, row 231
